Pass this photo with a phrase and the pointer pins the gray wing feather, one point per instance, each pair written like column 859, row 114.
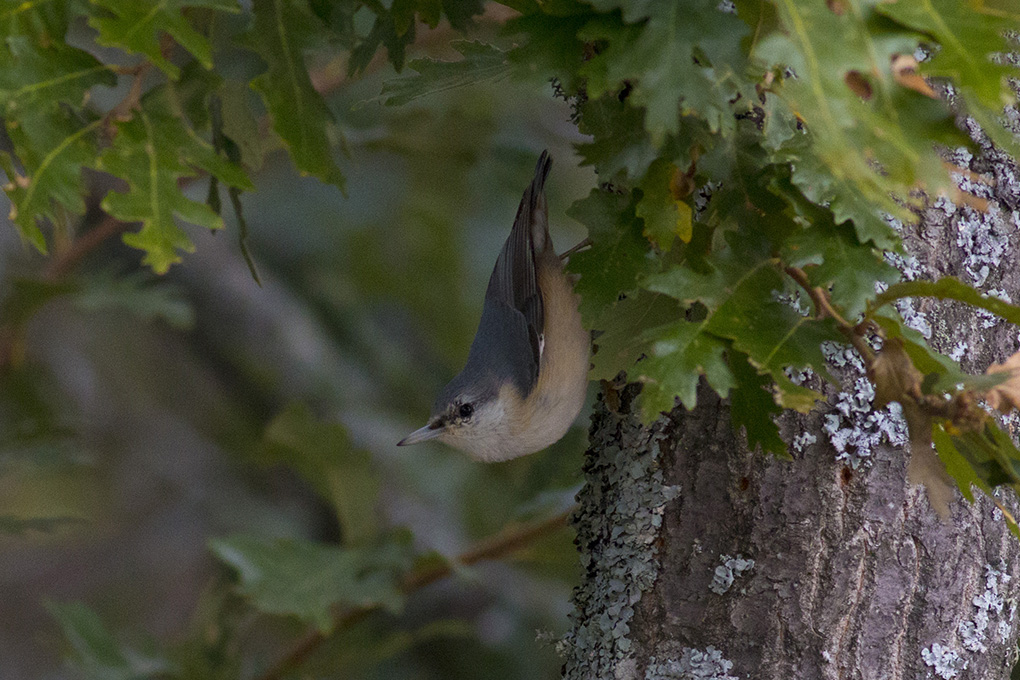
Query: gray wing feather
column 514, row 282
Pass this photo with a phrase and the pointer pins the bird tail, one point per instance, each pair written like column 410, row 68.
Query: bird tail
column 540, row 239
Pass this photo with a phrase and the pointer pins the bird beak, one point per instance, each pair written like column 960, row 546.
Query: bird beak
column 422, row 434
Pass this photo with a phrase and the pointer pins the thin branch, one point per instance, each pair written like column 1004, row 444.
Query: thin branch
column 122, row 110
column 823, row 308
column 63, row 264
column 500, row 545
column 580, row 246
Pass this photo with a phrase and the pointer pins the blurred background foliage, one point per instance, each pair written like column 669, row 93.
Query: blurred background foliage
column 142, row 417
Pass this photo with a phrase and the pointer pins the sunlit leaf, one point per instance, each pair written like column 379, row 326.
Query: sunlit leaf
column 666, row 216
column 152, row 152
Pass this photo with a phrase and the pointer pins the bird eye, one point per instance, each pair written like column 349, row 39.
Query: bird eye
column 465, row 411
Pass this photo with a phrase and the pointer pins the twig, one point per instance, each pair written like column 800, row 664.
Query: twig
column 823, row 308
column 494, row 547
column 122, row 110
column 962, row 409
column 63, row 264
column 580, row 246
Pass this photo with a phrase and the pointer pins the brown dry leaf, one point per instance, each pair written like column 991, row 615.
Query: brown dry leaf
column 1006, row 395
column 904, row 69
column 925, row 466
column 894, row 375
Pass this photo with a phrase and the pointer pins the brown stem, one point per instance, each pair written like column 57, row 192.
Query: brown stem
column 494, row 547
column 61, row 265
column 122, row 110
column 580, row 246
column 823, row 308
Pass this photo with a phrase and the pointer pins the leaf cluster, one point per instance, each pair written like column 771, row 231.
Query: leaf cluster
column 753, row 154
column 183, row 114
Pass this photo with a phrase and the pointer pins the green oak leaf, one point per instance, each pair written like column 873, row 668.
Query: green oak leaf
column 834, row 259
column 665, row 216
column 625, row 335
column 51, row 140
column 299, row 578
column 481, row 63
column 151, row 152
column 618, row 253
column 679, row 354
column 281, row 32
column 868, row 136
column 773, row 334
column 753, row 407
column 684, row 58
column 53, row 146
column 323, row 454
column 968, row 34
column 45, row 22
column 621, row 143
column 550, row 45
column 32, row 76
column 138, row 26
column 738, row 294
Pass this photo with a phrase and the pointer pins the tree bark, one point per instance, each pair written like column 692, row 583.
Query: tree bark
column 705, row 560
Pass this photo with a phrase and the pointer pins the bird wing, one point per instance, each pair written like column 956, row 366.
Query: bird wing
column 514, row 281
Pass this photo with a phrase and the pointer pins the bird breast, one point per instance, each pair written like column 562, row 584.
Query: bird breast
column 552, row 406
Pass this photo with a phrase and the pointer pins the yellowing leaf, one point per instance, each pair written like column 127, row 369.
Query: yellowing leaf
column 665, row 216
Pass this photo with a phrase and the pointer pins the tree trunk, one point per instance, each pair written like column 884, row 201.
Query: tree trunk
column 705, row 560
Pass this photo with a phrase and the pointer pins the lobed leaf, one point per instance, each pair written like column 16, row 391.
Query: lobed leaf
column 968, row 34
column 738, row 296
column 753, row 407
column 138, row 26
column 666, row 217
column 680, row 354
column 869, row 136
column 42, row 90
column 281, row 32
column 680, row 59
column 152, row 152
column 834, row 259
column 618, row 254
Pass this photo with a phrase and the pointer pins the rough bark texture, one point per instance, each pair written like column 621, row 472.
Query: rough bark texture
column 704, row 560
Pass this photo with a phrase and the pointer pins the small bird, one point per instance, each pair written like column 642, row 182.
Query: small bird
column 527, row 371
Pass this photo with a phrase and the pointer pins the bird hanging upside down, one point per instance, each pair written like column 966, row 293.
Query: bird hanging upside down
column 527, row 372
